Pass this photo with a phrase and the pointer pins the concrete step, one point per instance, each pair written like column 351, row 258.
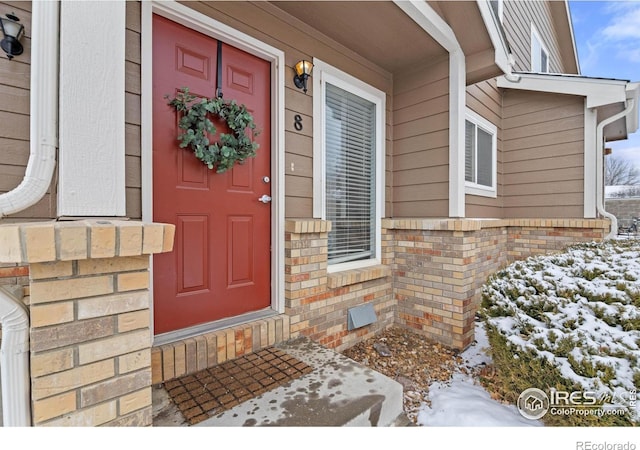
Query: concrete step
column 338, row 392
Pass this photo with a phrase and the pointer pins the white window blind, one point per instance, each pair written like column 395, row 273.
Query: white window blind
column 350, row 140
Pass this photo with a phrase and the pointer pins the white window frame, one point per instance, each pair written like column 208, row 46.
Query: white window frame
column 475, row 188
column 325, row 73
column 500, row 10
column 536, row 41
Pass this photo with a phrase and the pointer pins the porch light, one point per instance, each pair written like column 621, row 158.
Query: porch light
column 303, row 69
column 12, row 32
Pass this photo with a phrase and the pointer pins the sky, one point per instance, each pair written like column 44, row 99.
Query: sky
column 607, row 35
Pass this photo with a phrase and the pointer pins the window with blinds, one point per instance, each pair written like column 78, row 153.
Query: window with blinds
column 350, row 158
column 480, row 150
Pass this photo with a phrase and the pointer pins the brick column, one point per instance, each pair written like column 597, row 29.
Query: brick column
column 318, row 301
column 90, row 319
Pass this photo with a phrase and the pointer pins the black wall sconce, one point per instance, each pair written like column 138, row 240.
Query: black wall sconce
column 12, row 32
column 303, row 70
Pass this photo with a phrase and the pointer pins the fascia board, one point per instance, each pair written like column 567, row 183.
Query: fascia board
column 598, row 92
column 499, row 44
column 633, row 92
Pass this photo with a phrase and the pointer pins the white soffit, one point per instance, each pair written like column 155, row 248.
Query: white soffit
column 633, row 92
column 598, row 91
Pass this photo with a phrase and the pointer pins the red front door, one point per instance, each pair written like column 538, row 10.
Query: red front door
column 221, row 263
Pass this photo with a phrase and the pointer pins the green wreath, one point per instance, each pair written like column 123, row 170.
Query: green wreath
column 232, row 147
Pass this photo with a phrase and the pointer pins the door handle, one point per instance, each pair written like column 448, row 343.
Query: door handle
column 265, row 199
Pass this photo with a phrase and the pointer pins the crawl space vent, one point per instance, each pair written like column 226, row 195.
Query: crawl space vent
column 360, row 316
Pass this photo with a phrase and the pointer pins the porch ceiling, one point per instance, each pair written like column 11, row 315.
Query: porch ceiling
column 377, row 30
column 466, row 21
column 382, row 33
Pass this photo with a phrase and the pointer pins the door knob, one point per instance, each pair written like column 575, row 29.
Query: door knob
column 265, row 199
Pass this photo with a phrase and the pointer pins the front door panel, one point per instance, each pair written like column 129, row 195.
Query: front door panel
column 221, row 263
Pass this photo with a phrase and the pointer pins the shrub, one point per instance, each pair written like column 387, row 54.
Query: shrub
column 569, row 322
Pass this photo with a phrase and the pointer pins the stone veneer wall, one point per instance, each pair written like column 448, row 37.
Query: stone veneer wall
column 89, row 302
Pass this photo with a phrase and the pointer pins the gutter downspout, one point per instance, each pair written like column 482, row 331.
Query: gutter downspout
column 14, row 362
column 43, row 107
column 599, row 167
column 430, row 21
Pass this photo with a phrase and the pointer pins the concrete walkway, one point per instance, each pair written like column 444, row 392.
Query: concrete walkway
column 338, row 392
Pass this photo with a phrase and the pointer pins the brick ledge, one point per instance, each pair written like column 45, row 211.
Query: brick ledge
column 355, row 276
column 37, row 242
column 479, row 224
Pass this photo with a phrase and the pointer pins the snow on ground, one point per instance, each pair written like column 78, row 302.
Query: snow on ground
column 462, row 402
column 579, row 311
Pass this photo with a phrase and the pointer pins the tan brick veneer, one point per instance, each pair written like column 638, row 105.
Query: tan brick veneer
column 317, row 301
column 439, row 266
column 90, row 320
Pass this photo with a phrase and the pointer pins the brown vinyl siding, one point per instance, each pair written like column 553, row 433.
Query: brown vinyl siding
column 543, row 155
column 518, row 17
column 132, row 146
column 15, row 84
column 485, row 99
column 274, row 27
column 277, row 28
column 421, row 142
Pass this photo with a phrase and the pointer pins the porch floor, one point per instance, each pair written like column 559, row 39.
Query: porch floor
column 296, row 383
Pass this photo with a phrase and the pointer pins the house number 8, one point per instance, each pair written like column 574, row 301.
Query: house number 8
column 297, row 122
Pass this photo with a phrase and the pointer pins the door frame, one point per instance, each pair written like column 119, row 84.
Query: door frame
column 197, row 21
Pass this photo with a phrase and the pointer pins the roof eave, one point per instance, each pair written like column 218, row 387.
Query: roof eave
column 598, row 91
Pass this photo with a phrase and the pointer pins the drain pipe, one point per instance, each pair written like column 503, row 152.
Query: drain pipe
column 600, row 165
column 14, row 361
column 44, row 108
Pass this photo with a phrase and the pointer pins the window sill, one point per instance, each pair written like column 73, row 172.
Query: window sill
column 355, row 276
column 483, row 191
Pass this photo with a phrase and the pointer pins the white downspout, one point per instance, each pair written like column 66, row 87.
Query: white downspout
column 44, row 107
column 599, row 167
column 430, row 21
column 14, row 362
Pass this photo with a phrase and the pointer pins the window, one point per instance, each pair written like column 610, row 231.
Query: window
column 348, row 187
column 539, row 53
column 498, row 8
column 480, row 155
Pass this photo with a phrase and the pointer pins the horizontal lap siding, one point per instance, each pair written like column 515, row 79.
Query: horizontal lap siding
column 15, row 83
column 543, row 155
column 132, row 146
column 485, row 99
column 421, row 142
column 518, row 16
column 270, row 25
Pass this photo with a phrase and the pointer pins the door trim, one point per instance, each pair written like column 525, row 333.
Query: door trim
column 206, row 25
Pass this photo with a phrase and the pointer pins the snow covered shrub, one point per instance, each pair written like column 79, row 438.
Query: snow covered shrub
column 569, row 322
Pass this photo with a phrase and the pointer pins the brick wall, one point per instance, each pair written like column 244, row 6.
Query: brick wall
column 439, row 266
column 536, row 237
column 624, row 209
column 317, row 302
column 206, row 350
column 90, row 337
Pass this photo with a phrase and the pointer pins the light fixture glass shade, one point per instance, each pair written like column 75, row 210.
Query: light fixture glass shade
column 12, row 31
column 11, row 26
column 303, row 67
